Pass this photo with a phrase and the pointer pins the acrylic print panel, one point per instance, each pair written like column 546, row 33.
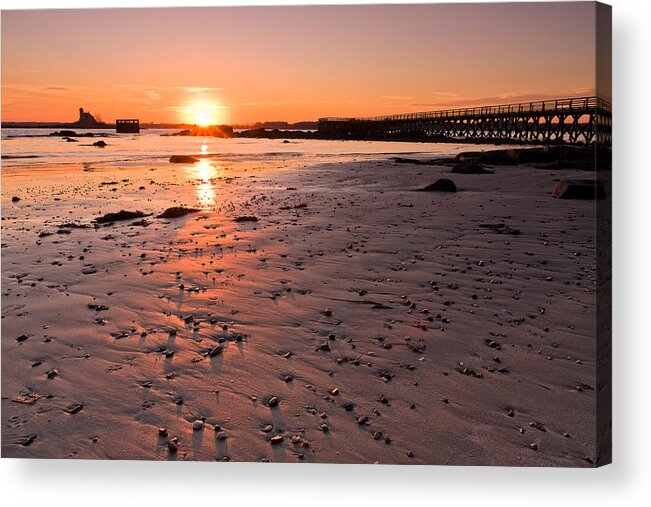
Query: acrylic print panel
column 328, row 234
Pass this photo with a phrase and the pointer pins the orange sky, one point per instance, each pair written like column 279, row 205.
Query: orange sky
column 252, row 64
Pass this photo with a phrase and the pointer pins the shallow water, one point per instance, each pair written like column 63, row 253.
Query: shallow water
column 151, row 146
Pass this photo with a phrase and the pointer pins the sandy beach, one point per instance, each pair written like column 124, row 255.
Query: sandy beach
column 321, row 312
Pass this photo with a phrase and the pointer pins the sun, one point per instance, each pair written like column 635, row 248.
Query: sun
column 203, row 117
column 202, row 114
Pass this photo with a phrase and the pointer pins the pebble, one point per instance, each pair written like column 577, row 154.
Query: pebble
column 74, row 408
column 537, row 425
column 533, row 446
column 222, row 435
column 162, row 432
column 268, row 428
column 197, row 425
column 377, row 435
column 28, row 440
column 273, row 401
column 276, row 439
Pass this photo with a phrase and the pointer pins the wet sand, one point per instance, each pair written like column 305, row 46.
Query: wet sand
column 359, row 320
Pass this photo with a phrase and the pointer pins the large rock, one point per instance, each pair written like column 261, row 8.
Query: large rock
column 64, row 133
column 440, row 185
column 579, row 189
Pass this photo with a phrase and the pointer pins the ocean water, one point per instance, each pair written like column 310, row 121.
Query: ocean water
column 34, row 147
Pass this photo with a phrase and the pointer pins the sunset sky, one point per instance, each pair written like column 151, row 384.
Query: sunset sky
column 247, row 64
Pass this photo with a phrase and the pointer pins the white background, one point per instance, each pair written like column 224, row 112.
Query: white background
column 626, row 482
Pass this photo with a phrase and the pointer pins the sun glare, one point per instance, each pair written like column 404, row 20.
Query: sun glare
column 203, row 118
column 205, row 174
column 203, row 115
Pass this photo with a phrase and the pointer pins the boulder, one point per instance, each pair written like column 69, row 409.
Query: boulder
column 440, row 185
column 579, row 189
column 99, row 144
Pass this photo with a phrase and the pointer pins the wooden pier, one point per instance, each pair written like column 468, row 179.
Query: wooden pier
column 572, row 120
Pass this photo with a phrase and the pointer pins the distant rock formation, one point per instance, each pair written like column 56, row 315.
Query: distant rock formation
column 86, row 119
column 224, row 131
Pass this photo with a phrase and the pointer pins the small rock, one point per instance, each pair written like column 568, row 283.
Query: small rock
column 440, row 185
column 176, row 212
column 216, row 350
column 28, row 440
column 182, row 159
column 74, row 408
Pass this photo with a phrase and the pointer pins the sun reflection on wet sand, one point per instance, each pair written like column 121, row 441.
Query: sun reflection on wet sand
column 205, row 173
